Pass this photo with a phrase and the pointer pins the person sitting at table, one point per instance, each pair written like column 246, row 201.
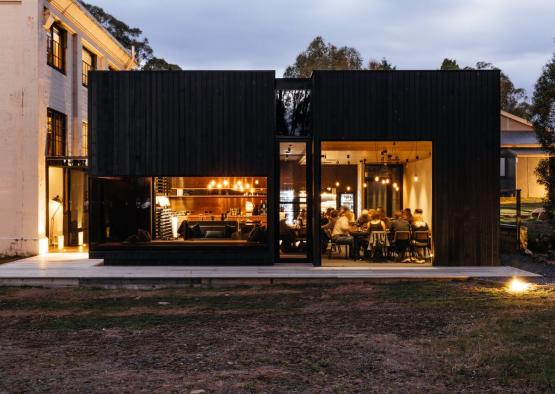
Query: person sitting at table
column 301, row 219
column 407, row 215
column 287, row 237
column 418, row 223
column 384, row 218
column 398, row 224
column 327, row 228
column 363, row 219
column 342, row 230
column 376, row 223
column 326, row 216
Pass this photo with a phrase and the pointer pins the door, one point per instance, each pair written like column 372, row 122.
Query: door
column 294, row 236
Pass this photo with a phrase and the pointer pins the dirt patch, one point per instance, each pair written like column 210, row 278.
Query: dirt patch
column 437, row 337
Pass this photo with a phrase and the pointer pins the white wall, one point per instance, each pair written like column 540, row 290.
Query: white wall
column 419, row 194
column 526, row 179
column 20, row 224
column 28, row 86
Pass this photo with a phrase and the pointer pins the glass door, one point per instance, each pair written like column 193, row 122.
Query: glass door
column 295, row 207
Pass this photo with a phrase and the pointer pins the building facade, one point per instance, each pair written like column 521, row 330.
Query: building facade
column 520, row 156
column 48, row 47
column 238, row 167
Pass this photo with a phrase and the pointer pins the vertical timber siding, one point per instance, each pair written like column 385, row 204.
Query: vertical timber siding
column 193, row 123
column 459, row 112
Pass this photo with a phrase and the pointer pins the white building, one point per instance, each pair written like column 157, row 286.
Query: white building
column 46, row 49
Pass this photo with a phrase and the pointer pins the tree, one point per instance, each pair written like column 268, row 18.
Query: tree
column 513, row 100
column 323, row 56
column 158, row 64
column 381, row 65
column 129, row 37
column 543, row 119
column 449, row 64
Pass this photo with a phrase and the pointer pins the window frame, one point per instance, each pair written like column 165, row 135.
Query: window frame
column 503, row 167
column 56, row 62
column 56, row 133
column 86, row 67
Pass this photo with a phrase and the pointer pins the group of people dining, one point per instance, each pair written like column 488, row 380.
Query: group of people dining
column 370, row 230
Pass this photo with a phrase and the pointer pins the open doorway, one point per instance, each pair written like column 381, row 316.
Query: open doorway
column 376, row 202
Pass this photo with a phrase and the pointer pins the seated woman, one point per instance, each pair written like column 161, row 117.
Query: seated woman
column 418, row 224
column 377, row 225
column 363, row 220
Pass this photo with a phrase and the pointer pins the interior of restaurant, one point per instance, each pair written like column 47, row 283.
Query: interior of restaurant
column 214, row 209
column 372, row 184
column 166, row 211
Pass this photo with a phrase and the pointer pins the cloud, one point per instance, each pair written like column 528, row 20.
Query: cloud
column 260, row 34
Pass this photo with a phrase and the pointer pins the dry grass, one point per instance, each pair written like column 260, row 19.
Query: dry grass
column 433, row 336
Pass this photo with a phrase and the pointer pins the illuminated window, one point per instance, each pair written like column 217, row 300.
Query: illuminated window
column 56, row 48
column 89, row 64
column 56, row 133
column 85, row 136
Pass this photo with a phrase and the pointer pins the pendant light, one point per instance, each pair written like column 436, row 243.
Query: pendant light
column 415, row 178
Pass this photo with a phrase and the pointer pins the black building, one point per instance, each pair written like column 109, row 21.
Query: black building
column 235, row 167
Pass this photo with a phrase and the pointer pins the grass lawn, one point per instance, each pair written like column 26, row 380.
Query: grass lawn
column 409, row 337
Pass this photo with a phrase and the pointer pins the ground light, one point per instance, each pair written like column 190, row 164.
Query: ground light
column 518, row 286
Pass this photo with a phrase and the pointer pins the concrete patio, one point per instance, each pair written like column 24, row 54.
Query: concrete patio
column 76, row 269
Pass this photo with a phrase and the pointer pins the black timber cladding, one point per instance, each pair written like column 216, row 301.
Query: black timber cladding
column 459, row 112
column 192, row 123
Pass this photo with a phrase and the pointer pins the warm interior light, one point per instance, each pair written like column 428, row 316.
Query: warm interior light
column 518, row 286
column 383, row 181
column 337, row 184
column 248, row 186
column 43, row 245
column 395, row 184
column 209, row 186
column 348, row 188
column 60, row 242
column 219, row 185
column 387, row 181
column 377, row 178
column 256, row 181
column 364, row 184
column 213, row 182
column 163, row 201
column 329, row 189
column 415, row 178
column 226, row 182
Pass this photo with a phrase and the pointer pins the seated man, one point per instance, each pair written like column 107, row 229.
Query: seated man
column 399, row 223
column 341, row 233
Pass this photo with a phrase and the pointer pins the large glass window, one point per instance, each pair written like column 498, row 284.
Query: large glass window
column 197, row 209
column 376, row 201
column 175, row 211
column 88, row 64
column 55, row 133
column 56, row 48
